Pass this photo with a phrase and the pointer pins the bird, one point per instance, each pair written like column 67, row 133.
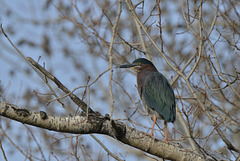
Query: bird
column 155, row 92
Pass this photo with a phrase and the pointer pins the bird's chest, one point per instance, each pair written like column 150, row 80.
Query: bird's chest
column 143, row 79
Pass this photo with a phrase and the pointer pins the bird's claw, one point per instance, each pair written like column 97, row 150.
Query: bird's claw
column 149, row 134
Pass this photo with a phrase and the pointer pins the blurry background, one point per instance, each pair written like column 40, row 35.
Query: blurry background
column 72, row 38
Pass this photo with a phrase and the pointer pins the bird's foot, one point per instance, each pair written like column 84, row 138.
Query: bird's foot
column 165, row 140
column 149, row 134
column 152, row 136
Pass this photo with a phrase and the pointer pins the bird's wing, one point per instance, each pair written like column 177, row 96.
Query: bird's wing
column 159, row 96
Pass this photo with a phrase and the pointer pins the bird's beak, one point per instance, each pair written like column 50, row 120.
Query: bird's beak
column 132, row 66
column 127, row 66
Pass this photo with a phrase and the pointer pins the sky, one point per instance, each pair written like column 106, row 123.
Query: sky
column 21, row 16
column 20, row 20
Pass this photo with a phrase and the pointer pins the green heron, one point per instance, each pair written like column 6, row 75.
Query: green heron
column 155, row 92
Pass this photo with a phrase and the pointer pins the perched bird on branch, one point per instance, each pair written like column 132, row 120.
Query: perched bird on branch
column 155, row 92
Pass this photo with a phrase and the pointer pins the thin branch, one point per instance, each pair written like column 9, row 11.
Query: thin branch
column 13, row 142
column 84, row 86
column 87, row 152
column 34, row 138
column 73, row 97
column 105, row 148
column 114, row 30
column 42, row 77
column 224, row 138
column 3, row 152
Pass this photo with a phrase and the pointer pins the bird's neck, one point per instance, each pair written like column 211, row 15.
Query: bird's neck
column 143, row 76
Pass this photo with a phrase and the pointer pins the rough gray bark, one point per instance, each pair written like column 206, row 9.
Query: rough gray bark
column 96, row 123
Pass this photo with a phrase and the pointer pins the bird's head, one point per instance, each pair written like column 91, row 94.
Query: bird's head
column 138, row 64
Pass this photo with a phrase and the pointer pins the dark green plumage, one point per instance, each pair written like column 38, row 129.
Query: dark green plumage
column 158, row 95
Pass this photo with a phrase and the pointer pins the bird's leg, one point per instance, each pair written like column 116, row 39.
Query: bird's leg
column 165, row 126
column 154, row 122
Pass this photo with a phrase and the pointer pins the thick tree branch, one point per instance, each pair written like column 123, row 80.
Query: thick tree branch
column 101, row 125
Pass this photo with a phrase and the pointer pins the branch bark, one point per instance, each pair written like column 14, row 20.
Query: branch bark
column 100, row 125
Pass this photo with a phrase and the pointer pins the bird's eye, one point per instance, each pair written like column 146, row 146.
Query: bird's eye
column 139, row 63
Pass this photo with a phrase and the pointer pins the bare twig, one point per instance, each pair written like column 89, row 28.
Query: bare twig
column 114, row 30
column 40, row 74
column 34, row 138
column 74, row 98
column 3, row 152
column 105, row 148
